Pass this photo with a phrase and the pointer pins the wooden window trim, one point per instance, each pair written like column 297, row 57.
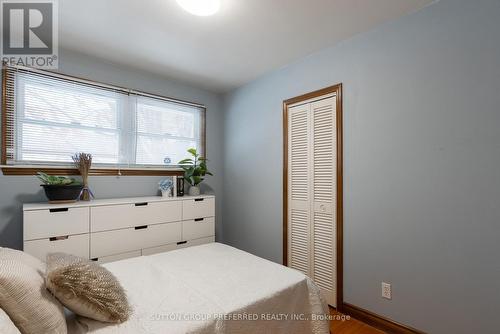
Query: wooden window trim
column 13, row 171
column 23, row 170
column 337, row 89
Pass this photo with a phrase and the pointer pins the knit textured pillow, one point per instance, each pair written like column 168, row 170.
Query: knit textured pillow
column 6, row 325
column 86, row 288
column 23, row 295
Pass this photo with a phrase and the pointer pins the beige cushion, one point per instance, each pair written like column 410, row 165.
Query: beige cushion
column 23, row 295
column 6, row 325
column 22, row 257
column 86, row 288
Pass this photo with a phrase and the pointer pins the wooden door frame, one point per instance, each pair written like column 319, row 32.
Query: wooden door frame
column 337, row 89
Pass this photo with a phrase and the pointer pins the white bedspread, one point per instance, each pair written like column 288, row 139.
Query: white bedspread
column 213, row 288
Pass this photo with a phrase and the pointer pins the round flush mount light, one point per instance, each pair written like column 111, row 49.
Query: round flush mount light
column 200, row 7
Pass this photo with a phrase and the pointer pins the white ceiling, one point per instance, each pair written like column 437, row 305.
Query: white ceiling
column 246, row 39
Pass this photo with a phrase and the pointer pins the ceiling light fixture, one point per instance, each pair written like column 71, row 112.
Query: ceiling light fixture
column 200, row 7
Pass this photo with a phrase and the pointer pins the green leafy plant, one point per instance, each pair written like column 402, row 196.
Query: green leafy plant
column 57, row 180
column 195, row 168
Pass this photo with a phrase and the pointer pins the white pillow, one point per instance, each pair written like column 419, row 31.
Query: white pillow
column 6, row 325
column 24, row 297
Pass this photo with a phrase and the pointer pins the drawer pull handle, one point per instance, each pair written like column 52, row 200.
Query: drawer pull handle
column 59, row 210
column 198, row 199
column 141, row 227
column 199, row 219
column 95, row 259
column 182, row 242
column 141, row 204
column 64, row 237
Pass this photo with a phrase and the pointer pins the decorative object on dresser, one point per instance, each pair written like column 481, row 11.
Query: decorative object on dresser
column 60, row 189
column 166, row 187
column 107, row 230
column 180, row 186
column 83, row 162
column 194, row 171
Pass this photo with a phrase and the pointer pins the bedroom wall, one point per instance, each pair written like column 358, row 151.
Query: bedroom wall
column 15, row 190
column 422, row 157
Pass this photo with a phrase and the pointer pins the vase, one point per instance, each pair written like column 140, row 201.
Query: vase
column 85, row 195
column 166, row 193
column 194, row 191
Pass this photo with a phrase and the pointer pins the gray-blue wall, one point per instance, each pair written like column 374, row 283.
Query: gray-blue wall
column 422, row 164
column 15, row 190
column 422, row 158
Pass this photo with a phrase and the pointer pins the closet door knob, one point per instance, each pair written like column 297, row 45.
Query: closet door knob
column 322, row 207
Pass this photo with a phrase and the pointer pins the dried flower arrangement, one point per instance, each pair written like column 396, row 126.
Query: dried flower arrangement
column 83, row 162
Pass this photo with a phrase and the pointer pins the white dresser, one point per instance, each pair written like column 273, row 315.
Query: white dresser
column 113, row 229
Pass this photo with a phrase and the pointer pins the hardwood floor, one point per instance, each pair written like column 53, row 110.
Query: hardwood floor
column 344, row 324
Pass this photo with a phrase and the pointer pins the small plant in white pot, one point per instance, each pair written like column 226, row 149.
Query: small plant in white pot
column 195, row 169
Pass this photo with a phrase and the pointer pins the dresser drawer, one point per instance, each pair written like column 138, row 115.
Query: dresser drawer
column 133, row 239
column 118, row 257
column 74, row 244
column 40, row 224
column 112, row 217
column 196, row 242
column 198, row 228
column 198, row 207
column 159, row 249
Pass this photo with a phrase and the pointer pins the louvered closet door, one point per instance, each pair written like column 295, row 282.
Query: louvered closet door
column 323, row 204
column 299, row 189
column 311, row 192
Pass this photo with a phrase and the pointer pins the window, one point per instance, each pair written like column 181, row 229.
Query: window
column 49, row 117
column 165, row 131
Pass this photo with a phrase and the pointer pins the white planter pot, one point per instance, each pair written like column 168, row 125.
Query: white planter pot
column 194, row 191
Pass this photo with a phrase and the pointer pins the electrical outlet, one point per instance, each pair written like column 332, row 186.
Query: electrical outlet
column 386, row 291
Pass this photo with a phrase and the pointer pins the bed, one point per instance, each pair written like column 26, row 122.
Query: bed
column 212, row 288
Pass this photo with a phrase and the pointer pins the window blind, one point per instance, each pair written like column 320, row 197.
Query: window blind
column 49, row 117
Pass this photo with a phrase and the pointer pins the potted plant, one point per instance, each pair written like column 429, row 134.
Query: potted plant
column 195, row 169
column 60, row 189
column 166, row 186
